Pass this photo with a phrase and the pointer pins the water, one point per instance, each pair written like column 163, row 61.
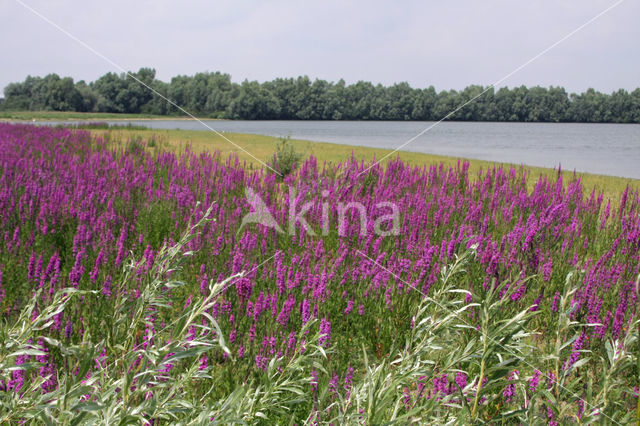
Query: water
column 609, row 149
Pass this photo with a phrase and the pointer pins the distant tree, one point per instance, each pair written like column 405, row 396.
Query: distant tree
column 18, row 95
column 254, row 102
column 110, row 90
column 446, row 102
column 424, row 103
column 61, row 94
column 219, row 94
column 213, row 94
column 360, row 101
column 634, row 113
column 124, row 93
column 158, row 105
column 332, row 101
column 88, row 98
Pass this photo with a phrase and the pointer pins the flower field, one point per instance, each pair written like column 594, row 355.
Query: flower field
column 130, row 291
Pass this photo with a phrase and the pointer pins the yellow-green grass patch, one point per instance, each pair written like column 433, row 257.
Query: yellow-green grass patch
column 252, row 149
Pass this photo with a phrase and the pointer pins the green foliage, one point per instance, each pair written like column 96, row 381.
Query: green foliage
column 164, row 381
column 135, row 145
column 215, row 95
column 286, row 158
column 102, row 126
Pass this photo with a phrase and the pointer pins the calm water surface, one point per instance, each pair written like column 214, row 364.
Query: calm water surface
column 610, row 149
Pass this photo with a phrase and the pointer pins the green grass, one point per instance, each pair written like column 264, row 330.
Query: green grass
column 70, row 115
column 251, row 148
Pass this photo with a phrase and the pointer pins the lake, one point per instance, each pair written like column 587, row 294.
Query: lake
column 609, row 149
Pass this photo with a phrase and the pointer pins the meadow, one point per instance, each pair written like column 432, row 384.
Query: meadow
column 130, row 292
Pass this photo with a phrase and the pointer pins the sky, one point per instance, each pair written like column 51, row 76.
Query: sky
column 448, row 45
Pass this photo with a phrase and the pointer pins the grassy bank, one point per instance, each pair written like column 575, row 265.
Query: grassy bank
column 259, row 147
column 263, row 147
column 70, row 115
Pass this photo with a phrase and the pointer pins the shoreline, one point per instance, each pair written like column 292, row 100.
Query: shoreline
column 47, row 116
column 257, row 142
column 263, row 147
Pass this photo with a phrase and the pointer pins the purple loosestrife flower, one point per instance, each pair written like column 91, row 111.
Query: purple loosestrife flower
column 320, row 291
column 580, row 408
column 406, row 399
column 556, row 299
column 314, row 381
column 259, row 306
column 55, row 275
column 244, row 288
column 440, row 384
column 421, row 387
column 96, row 267
column 285, row 313
column 48, row 372
column 191, row 333
column 204, row 285
column 535, row 380
column 348, row 380
column 121, row 247
column 204, row 363
column 147, row 338
column 252, row 332
column 106, row 287
column 78, row 269
column 461, row 379
column 17, row 376
column 325, row 332
column 68, row 329
column 333, row 385
column 546, row 270
column 291, row 342
column 38, row 271
column 261, row 362
column 167, row 367
column 575, row 355
column 517, row 295
column 51, row 269
column 618, row 319
column 551, row 380
column 305, row 311
column 281, row 272
column 3, row 294
column 148, row 257
column 550, row 417
column 510, row 390
column 451, row 249
column 32, row 266
column 601, row 330
column 57, row 321
column 536, row 303
column 349, row 307
column 188, row 301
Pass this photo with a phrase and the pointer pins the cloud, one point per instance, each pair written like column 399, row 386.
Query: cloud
column 448, row 45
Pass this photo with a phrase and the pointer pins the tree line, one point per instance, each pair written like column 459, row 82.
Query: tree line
column 213, row 94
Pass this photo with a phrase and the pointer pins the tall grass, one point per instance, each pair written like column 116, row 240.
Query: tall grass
column 126, row 372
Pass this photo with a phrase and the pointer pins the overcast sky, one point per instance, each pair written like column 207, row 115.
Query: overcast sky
column 448, row 44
